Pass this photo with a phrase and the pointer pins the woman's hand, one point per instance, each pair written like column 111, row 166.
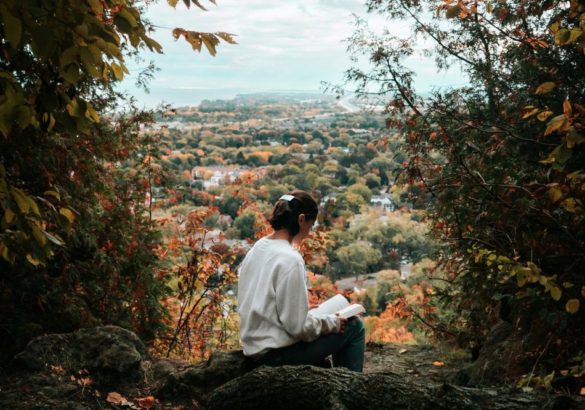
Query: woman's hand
column 313, row 306
column 342, row 323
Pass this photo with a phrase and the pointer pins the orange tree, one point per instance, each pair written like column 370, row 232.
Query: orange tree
column 75, row 240
column 498, row 162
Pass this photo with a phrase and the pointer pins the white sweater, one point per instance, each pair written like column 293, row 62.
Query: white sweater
column 273, row 301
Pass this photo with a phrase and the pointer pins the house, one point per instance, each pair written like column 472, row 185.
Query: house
column 383, row 201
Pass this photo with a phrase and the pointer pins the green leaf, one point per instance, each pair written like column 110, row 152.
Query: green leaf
column 71, row 74
column 572, row 306
column 566, row 37
column 96, row 6
column 546, row 87
column 9, row 216
column 574, row 138
column 12, row 27
column 122, row 23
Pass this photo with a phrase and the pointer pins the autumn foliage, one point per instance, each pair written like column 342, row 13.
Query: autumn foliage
column 498, row 163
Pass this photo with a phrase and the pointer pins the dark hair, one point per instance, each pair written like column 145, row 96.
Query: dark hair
column 286, row 213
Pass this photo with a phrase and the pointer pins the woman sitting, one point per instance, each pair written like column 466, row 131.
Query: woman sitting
column 276, row 327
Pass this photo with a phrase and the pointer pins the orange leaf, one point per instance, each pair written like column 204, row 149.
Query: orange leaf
column 567, row 109
column 438, row 363
column 582, row 392
column 146, row 402
column 545, row 87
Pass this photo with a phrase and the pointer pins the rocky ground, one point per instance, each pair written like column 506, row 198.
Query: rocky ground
column 108, row 367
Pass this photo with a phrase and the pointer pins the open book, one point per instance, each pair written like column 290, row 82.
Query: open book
column 338, row 304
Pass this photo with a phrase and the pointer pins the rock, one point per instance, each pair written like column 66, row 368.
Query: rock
column 115, row 353
column 110, row 349
column 44, row 351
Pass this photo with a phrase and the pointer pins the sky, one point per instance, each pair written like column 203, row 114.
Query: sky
column 289, row 45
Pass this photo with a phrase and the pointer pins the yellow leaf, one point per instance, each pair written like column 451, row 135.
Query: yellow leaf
column 556, row 124
column 38, row 234
column 544, row 115
column 572, row 205
column 438, row 363
column 545, row 87
column 554, row 27
column 92, row 114
column 21, row 200
column 530, row 112
column 117, row 70
column 67, row 213
column 556, row 293
column 54, row 194
column 227, row 37
column 572, row 305
column 32, row 260
column 555, row 194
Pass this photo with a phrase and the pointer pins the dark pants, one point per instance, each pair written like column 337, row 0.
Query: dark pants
column 347, row 349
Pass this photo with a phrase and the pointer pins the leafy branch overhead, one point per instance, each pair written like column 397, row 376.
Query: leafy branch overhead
column 196, row 39
column 54, row 55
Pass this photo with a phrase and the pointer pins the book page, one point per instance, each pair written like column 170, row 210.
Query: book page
column 351, row 310
column 330, row 306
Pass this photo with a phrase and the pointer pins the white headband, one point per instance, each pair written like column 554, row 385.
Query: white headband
column 287, row 198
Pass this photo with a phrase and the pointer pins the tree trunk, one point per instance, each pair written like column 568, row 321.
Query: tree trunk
column 308, row 387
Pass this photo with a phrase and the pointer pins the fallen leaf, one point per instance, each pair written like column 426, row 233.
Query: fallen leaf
column 57, row 370
column 84, row 381
column 438, row 363
column 146, row 402
column 564, row 372
column 402, row 351
column 582, row 392
column 118, row 399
